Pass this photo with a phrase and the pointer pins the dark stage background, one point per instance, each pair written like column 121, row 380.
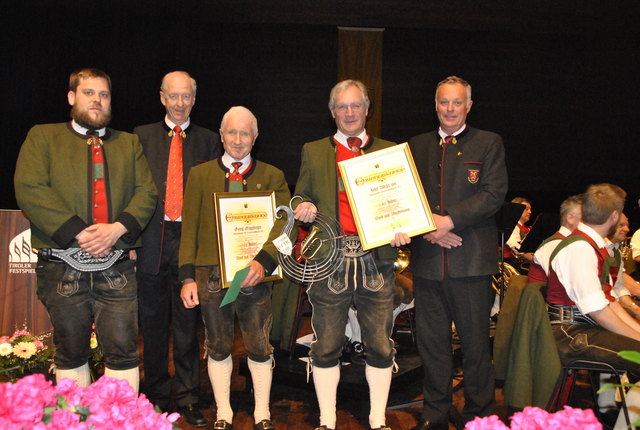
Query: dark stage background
column 556, row 79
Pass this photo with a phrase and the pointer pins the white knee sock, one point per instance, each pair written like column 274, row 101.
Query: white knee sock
column 326, row 383
column 132, row 376
column 261, row 375
column 379, row 383
column 220, row 377
column 79, row 374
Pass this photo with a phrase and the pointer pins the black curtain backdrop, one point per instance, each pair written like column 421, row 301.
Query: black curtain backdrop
column 565, row 103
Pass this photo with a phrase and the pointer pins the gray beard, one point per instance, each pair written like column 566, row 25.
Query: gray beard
column 83, row 119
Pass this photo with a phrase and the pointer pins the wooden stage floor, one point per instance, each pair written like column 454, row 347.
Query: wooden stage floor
column 293, row 402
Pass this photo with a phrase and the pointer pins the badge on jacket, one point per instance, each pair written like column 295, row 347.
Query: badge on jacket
column 474, row 176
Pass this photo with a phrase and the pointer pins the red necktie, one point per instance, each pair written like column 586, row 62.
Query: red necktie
column 173, row 195
column 354, row 143
column 99, row 210
column 235, row 175
column 447, row 139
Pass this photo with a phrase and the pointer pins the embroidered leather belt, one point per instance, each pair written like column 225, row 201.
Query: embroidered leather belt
column 81, row 260
column 353, row 247
column 565, row 314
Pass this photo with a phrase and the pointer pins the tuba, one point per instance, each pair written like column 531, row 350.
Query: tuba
column 504, row 275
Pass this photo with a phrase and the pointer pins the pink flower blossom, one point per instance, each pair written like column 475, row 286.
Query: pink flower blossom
column 531, row 418
column 107, row 404
column 486, row 423
column 20, row 333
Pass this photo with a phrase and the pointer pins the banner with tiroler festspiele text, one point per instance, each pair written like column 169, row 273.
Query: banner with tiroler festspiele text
column 19, row 305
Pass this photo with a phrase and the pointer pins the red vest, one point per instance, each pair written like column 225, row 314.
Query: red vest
column 345, row 215
column 536, row 272
column 556, row 294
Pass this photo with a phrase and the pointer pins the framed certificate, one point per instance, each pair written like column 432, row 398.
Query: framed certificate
column 243, row 222
column 386, row 195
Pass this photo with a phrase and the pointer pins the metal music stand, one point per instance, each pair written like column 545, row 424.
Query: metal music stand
column 544, row 226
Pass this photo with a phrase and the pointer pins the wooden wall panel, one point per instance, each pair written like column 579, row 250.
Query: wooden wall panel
column 360, row 57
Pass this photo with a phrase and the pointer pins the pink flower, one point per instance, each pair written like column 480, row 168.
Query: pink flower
column 108, row 404
column 531, row 418
column 575, row 419
column 38, row 343
column 486, row 423
column 5, row 339
column 64, row 419
column 24, row 402
column 20, row 333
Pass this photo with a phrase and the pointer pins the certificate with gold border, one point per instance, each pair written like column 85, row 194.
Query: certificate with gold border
column 244, row 221
column 386, row 195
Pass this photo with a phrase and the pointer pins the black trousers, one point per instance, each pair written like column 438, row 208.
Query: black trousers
column 465, row 302
column 161, row 310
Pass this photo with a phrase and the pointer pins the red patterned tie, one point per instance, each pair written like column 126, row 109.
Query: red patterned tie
column 354, row 143
column 235, row 175
column 99, row 210
column 173, row 195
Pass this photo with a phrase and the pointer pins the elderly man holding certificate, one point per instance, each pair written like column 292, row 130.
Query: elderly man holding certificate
column 200, row 269
column 365, row 279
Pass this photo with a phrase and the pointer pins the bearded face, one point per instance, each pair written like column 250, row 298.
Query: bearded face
column 91, row 119
column 91, row 103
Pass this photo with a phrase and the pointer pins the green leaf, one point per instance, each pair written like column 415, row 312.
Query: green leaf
column 630, row 355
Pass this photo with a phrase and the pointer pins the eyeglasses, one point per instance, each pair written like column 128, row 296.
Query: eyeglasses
column 355, row 107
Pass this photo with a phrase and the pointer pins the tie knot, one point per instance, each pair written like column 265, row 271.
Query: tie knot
column 236, row 167
column 354, row 143
column 177, row 129
column 448, row 139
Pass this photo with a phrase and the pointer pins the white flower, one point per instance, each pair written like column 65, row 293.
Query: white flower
column 5, row 349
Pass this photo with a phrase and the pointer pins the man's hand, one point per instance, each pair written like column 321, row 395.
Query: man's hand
column 305, row 212
column 98, row 239
column 444, row 224
column 442, row 235
column 255, row 275
column 449, row 240
column 189, row 294
column 400, row 239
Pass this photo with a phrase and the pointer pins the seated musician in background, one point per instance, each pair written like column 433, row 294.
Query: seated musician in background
column 512, row 252
column 617, row 267
column 570, row 217
column 582, row 307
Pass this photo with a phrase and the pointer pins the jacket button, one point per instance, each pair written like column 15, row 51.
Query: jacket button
column 437, row 207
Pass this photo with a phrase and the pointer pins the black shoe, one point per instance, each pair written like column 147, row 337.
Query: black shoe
column 221, row 425
column 264, row 425
column 429, row 425
column 192, row 415
column 353, row 352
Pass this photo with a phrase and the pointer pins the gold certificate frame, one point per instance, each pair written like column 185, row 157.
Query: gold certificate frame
column 386, row 195
column 244, row 221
